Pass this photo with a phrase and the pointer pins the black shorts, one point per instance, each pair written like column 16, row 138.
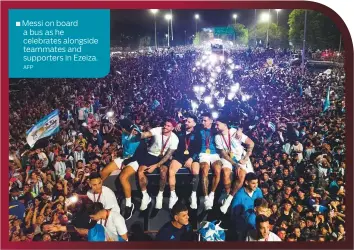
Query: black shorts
column 148, row 160
column 182, row 158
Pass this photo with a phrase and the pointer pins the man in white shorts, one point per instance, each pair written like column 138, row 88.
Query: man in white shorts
column 209, row 157
column 229, row 142
column 165, row 142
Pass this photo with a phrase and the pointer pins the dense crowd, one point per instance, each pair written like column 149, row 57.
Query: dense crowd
column 298, row 156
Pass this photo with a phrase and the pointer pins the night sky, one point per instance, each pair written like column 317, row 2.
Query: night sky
column 141, row 22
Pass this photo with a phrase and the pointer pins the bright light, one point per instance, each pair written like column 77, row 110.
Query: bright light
column 202, row 89
column 196, row 88
column 232, row 66
column 212, row 80
column 194, row 105
column 154, row 11
column 277, row 10
column 235, row 87
column 203, row 65
column 215, row 115
column 222, row 58
column 208, row 99
column 221, row 102
column 197, row 64
column 212, row 58
column 231, row 76
column 229, row 60
column 265, row 17
column 218, row 69
column 196, row 16
column 168, row 17
column 204, row 57
column 211, row 106
column 234, row 16
column 237, row 67
column 229, row 72
column 193, row 69
column 245, row 97
column 231, row 96
column 213, row 74
column 216, row 94
column 209, row 85
column 73, row 199
column 209, row 67
column 110, row 113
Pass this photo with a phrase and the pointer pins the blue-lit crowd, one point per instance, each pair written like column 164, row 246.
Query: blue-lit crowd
column 278, row 156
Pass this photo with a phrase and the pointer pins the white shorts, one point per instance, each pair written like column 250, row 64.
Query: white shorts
column 119, row 161
column 208, row 158
column 247, row 167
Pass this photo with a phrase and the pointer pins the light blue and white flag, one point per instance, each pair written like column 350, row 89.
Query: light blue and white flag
column 272, row 126
column 47, row 126
column 327, row 102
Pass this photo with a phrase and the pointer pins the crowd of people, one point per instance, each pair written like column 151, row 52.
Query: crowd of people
column 278, row 156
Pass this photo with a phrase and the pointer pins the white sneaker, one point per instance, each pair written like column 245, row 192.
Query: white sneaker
column 226, row 205
column 159, row 199
column 209, row 202
column 193, row 200
column 172, row 202
column 145, row 202
column 222, row 198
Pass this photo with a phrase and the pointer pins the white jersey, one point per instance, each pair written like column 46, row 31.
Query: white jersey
column 114, row 226
column 159, row 142
column 223, row 143
column 252, row 236
column 107, row 198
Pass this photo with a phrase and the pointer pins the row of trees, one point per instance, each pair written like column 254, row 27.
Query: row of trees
column 322, row 33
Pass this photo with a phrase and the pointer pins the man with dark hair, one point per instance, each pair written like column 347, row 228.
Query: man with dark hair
column 209, row 157
column 178, row 229
column 262, row 232
column 243, row 204
column 229, row 142
column 112, row 221
column 186, row 155
column 102, row 194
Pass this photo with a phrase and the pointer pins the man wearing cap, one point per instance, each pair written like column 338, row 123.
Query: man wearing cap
column 209, row 157
column 229, row 142
column 164, row 144
column 187, row 155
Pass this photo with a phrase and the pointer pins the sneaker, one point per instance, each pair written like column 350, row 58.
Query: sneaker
column 172, row 202
column 208, row 203
column 145, row 202
column 226, row 205
column 222, row 198
column 159, row 199
column 193, row 200
column 128, row 212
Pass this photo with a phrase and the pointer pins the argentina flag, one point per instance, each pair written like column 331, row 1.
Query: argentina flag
column 327, row 102
column 47, row 126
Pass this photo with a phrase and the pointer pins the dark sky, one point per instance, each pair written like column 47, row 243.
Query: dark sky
column 141, row 22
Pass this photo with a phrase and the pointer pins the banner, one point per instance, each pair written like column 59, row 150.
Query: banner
column 47, row 126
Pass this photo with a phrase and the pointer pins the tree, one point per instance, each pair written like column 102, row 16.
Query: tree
column 241, row 33
column 321, row 33
column 196, row 40
column 277, row 35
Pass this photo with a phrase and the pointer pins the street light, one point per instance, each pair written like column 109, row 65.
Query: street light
column 196, row 16
column 168, row 17
column 154, row 12
column 265, row 17
column 234, row 16
column 277, row 10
